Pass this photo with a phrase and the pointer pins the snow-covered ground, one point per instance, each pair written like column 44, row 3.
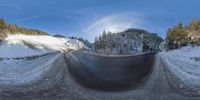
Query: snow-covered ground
column 175, row 74
column 32, row 64
column 37, row 77
column 182, row 70
column 26, row 45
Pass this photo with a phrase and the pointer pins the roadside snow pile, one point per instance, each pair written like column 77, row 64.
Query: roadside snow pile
column 32, row 77
column 182, row 71
column 26, row 45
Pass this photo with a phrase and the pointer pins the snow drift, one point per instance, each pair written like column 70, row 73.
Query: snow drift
column 26, row 45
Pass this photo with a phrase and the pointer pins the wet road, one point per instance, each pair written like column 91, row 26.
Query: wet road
column 110, row 73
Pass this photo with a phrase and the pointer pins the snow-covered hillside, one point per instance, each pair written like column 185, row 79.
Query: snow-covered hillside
column 26, row 45
column 128, row 42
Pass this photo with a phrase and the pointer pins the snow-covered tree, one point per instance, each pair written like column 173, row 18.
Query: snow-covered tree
column 127, row 42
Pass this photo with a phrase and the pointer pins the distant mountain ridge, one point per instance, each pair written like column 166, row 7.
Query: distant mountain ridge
column 128, row 42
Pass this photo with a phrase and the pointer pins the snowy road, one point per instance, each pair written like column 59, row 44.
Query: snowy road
column 174, row 76
column 110, row 73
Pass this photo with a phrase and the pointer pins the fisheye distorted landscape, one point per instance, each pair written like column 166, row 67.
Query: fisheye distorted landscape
column 99, row 50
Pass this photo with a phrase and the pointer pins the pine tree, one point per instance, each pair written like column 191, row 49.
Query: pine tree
column 2, row 24
column 177, row 36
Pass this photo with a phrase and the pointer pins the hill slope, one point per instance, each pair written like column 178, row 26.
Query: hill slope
column 6, row 29
column 127, row 42
column 26, row 45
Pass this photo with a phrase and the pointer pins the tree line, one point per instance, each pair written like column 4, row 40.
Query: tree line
column 182, row 35
column 85, row 41
column 14, row 29
column 127, row 42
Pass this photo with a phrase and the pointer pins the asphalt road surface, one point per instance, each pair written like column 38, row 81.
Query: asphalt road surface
column 65, row 72
column 110, row 73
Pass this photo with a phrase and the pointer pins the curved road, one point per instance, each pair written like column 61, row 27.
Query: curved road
column 109, row 73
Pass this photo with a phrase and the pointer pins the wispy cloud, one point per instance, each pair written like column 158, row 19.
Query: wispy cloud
column 114, row 23
column 28, row 18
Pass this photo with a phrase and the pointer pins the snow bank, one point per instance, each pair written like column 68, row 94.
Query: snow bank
column 26, row 45
column 31, row 77
column 183, row 72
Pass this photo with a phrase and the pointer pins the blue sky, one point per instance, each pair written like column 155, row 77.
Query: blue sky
column 88, row 18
